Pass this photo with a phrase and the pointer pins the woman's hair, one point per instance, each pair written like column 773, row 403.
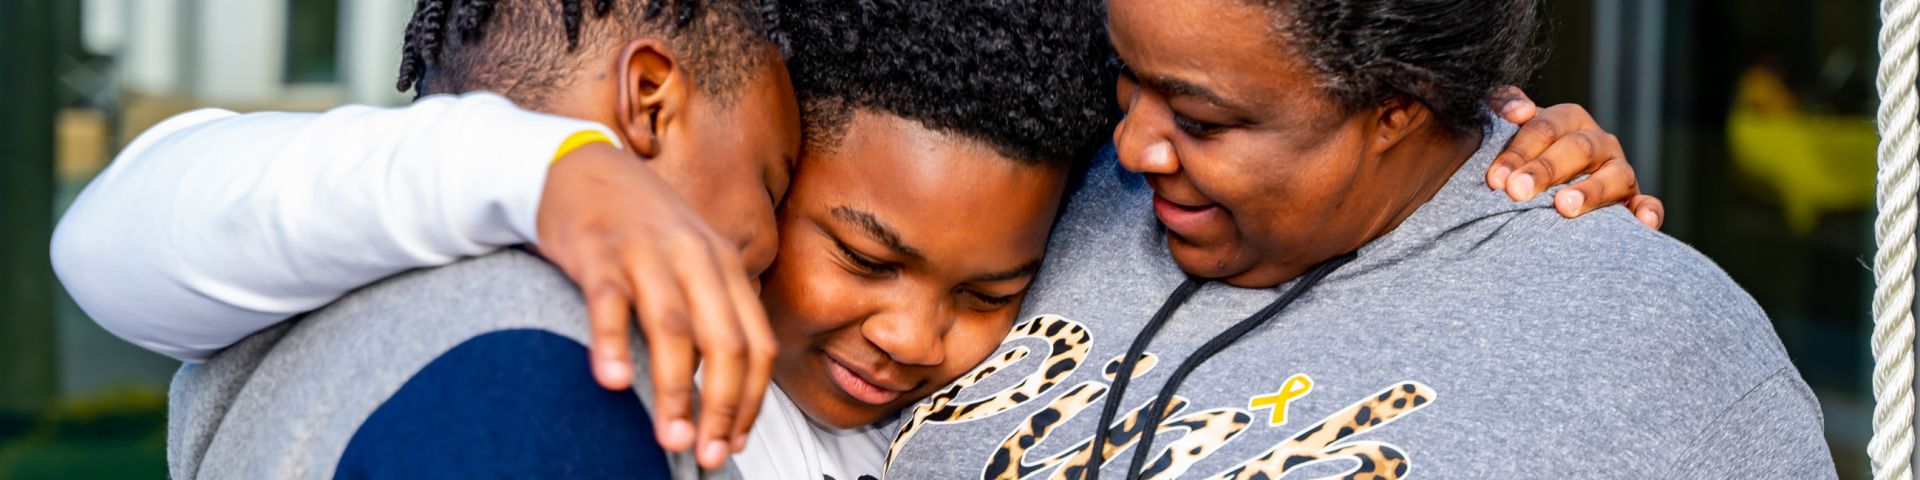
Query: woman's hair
column 522, row 48
column 1446, row 54
column 1031, row 78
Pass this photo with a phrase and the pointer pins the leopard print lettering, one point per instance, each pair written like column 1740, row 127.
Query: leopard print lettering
column 1320, row 443
column 1069, row 342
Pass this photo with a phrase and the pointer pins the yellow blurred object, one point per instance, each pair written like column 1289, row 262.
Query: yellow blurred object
column 83, row 143
column 1816, row 164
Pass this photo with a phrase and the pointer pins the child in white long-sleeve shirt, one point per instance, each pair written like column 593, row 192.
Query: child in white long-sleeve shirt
column 667, row 134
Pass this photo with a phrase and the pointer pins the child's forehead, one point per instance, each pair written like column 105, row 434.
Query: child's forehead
column 937, row 189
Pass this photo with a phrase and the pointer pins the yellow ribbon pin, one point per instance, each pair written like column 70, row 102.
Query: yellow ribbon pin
column 1295, row 387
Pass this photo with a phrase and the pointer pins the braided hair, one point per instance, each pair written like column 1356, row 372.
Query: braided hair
column 448, row 47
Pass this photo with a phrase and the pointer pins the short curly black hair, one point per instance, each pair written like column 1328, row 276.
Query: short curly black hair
column 1031, row 78
column 1446, row 54
column 523, row 48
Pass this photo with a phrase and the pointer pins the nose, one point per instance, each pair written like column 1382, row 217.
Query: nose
column 912, row 331
column 757, row 250
column 1126, row 91
column 1140, row 139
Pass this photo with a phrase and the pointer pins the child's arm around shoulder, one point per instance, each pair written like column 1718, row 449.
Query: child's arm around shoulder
column 214, row 225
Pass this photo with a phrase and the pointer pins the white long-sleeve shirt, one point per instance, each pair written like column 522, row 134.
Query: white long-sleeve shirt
column 213, row 225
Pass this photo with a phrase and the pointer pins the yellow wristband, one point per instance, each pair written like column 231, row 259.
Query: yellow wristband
column 580, row 139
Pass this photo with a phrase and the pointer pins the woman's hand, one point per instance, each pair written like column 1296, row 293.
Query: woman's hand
column 1556, row 145
column 633, row 245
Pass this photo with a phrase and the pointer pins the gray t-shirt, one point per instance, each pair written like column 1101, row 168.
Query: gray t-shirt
column 1483, row 338
column 285, row 402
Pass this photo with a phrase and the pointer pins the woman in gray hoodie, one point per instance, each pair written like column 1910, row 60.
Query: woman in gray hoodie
column 1292, row 265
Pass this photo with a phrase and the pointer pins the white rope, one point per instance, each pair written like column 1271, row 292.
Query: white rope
column 1892, row 446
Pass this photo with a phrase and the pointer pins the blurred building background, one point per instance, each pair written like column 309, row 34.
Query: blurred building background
column 79, row 79
column 1752, row 119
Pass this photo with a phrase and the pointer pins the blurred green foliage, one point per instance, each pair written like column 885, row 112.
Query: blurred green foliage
column 117, row 434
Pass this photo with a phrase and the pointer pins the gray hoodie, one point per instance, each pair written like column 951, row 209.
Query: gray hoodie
column 1482, row 338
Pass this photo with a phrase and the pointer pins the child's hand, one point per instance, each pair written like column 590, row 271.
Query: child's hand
column 633, row 244
column 1561, row 143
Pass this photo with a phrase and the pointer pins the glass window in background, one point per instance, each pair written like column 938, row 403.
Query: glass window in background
column 313, row 41
column 1754, row 121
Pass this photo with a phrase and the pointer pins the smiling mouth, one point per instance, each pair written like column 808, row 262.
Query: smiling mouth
column 859, row 387
column 1183, row 219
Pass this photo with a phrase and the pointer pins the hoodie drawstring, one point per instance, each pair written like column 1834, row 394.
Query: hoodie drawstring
column 1125, row 375
column 1155, row 412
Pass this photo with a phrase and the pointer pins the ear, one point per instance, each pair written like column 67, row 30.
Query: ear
column 1396, row 119
column 651, row 94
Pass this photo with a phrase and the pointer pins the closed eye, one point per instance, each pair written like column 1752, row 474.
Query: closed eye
column 862, row 264
column 1196, row 128
column 991, row 300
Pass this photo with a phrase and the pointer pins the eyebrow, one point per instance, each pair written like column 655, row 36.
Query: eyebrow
column 880, row 231
column 1027, row 270
column 1184, row 88
column 876, row 229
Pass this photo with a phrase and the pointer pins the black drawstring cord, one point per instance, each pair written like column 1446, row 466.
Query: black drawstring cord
column 1155, row 412
column 1125, row 374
